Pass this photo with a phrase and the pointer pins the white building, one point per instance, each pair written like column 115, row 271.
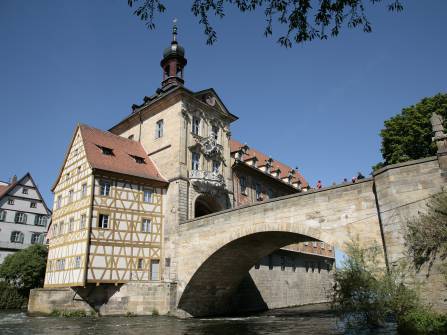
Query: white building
column 24, row 216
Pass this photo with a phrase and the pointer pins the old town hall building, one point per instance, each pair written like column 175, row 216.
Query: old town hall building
column 121, row 194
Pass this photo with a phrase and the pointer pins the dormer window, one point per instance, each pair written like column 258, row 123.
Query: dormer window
column 138, row 159
column 105, row 151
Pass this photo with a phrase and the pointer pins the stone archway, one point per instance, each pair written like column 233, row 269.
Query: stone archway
column 211, row 288
column 205, row 205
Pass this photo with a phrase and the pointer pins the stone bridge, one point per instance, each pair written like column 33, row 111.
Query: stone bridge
column 215, row 252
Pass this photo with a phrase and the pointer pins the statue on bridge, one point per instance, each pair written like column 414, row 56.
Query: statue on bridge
column 437, row 123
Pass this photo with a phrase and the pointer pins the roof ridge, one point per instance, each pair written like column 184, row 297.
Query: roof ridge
column 106, row 132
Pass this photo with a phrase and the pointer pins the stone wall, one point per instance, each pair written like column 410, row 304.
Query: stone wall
column 144, row 298
column 402, row 190
column 285, row 279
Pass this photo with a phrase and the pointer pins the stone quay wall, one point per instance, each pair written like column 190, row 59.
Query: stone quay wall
column 145, row 298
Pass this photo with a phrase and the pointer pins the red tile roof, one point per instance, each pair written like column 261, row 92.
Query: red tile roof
column 3, row 190
column 236, row 145
column 122, row 160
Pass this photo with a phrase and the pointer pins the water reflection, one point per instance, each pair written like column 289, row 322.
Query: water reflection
column 316, row 320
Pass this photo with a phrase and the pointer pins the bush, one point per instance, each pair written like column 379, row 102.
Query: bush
column 25, row 269
column 366, row 294
column 422, row 321
column 19, row 273
column 10, row 297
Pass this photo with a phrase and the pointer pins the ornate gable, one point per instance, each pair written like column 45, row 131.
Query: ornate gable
column 210, row 97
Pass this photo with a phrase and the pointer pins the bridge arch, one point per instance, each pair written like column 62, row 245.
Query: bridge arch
column 211, row 288
column 214, row 252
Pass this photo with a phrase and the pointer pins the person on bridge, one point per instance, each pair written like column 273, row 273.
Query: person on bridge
column 319, row 185
column 360, row 176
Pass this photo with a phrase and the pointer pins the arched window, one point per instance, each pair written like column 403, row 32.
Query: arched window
column 17, row 237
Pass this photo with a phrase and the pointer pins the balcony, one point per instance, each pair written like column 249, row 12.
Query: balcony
column 207, row 182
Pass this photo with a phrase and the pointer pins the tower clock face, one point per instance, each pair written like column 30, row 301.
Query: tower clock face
column 210, row 100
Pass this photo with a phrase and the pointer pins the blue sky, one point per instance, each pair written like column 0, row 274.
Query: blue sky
column 319, row 106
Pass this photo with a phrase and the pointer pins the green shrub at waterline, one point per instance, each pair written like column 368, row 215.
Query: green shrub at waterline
column 10, row 297
column 422, row 321
column 366, row 294
column 19, row 273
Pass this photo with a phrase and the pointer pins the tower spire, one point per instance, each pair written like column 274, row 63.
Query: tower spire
column 174, row 30
column 173, row 61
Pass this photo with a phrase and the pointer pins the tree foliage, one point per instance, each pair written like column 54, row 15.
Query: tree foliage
column 303, row 20
column 366, row 294
column 408, row 135
column 25, row 269
column 426, row 235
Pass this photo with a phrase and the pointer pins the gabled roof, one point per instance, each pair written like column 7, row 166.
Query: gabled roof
column 5, row 189
column 122, row 160
column 262, row 158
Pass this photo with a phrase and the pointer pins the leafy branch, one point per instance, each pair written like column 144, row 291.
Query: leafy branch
column 303, row 20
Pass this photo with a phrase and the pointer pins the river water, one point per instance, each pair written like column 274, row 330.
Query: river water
column 315, row 320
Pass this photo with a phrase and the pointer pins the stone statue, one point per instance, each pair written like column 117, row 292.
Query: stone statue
column 437, row 123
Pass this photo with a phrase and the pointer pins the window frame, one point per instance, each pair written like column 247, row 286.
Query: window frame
column 82, row 221
column 140, row 264
column 38, row 219
column 10, row 201
column 243, row 184
column 70, row 196
column 36, row 237
column 59, row 201
column 101, row 218
column 195, row 125
column 258, row 191
column 17, row 233
column 2, row 215
column 195, row 163
column 146, row 225
column 77, row 262
column 21, row 218
column 84, row 190
column 149, row 191
column 104, row 188
column 159, row 128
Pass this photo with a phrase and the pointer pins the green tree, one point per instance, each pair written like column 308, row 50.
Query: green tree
column 25, row 269
column 408, row 135
column 426, row 235
column 303, row 20
column 366, row 294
